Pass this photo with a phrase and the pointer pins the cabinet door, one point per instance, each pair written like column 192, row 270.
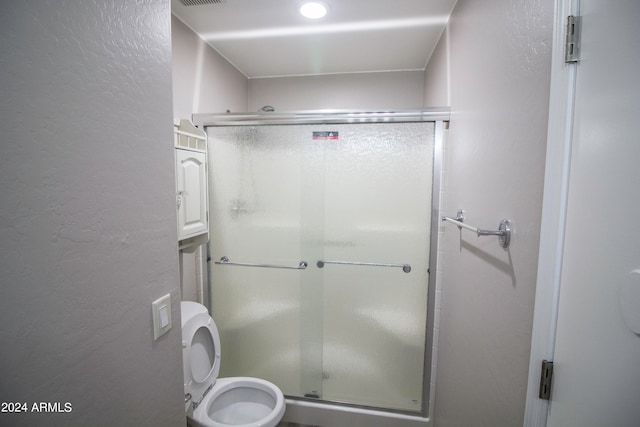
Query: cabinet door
column 191, row 177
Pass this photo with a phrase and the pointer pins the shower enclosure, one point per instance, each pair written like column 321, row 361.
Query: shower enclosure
column 322, row 252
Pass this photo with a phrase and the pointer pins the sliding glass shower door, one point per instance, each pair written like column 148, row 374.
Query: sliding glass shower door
column 320, row 257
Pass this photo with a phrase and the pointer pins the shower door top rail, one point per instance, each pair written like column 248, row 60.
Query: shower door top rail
column 405, row 267
column 225, row 261
column 320, row 117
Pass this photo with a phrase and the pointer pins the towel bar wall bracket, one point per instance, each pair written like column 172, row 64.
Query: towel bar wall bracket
column 503, row 232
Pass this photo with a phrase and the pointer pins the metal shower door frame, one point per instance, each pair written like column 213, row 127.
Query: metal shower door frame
column 440, row 117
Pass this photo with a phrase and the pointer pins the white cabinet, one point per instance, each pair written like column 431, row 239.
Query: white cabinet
column 191, row 193
column 191, row 184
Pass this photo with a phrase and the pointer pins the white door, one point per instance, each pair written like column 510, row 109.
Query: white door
column 597, row 356
column 191, row 185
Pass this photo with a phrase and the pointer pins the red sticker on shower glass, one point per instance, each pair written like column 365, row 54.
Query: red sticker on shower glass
column 325, row 135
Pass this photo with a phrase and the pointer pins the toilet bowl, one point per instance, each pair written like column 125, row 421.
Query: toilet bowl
column 216, row 402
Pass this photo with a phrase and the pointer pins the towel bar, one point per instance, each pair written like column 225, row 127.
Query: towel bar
column 503, row 232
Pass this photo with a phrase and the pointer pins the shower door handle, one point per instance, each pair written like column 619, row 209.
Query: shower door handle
column 405, row 267
column 225, row 261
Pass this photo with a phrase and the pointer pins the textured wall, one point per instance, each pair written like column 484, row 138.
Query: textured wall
column 87, row 222
column 499, row 60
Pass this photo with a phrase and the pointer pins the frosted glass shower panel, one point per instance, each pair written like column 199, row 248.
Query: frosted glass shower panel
column 377, row 210
column 255, row 218
column 346, row 193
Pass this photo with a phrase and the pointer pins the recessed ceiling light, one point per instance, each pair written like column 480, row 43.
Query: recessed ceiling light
column 313, row 10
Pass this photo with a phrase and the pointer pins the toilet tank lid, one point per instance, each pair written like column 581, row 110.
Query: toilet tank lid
column 189, row 309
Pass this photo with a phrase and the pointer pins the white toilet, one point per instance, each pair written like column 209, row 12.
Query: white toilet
column 213, row 402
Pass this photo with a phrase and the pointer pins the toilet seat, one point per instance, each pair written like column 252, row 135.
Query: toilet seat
column 218, row 402
column 241, row 402
column 200, row 350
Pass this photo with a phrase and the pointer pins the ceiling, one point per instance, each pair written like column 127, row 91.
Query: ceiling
column 269, row 38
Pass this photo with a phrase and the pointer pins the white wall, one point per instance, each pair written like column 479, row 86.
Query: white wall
column 87, row 222
column 437, row 90
column 203, row 81
column 499, row 72
column 390, row 90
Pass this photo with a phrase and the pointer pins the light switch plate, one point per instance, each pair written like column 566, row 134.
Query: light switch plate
column 161, row 309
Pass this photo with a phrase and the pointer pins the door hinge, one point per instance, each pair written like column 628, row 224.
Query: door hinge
column 572, row 46
column 546, row 374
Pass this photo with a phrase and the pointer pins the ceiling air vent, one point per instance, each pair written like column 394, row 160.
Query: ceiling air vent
column 201, row 2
